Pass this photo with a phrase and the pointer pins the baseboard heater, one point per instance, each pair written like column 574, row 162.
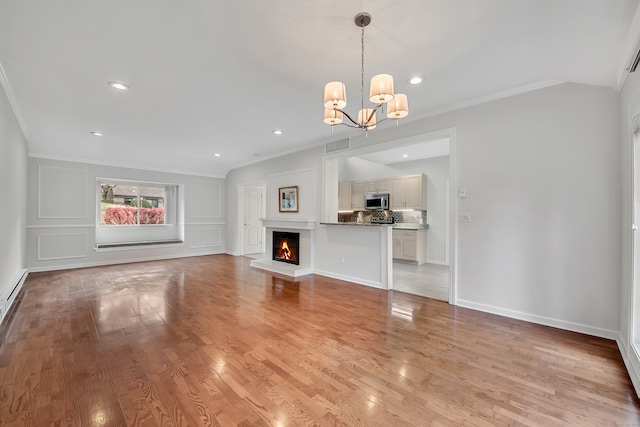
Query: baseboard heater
column 7, row 302
column 130, row 244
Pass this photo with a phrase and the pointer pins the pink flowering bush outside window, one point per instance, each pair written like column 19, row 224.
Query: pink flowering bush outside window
column 128, row 215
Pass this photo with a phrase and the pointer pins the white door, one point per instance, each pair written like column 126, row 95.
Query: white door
column 635, row 291
column 252, row 226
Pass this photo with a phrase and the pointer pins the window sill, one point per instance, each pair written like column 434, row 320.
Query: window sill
column 136, row 245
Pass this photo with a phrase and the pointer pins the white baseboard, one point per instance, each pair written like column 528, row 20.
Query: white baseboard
column 8, row 297
column 433, row 261
column 120, row 261
column 350, row 279
column 631, row 362
column 542, row 320
column 233, row 253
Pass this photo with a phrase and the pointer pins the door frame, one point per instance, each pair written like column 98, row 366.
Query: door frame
column 452, row 225
column 241, row 210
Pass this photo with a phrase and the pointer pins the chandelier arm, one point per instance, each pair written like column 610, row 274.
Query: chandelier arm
column 349, row 117
column 348, row 125
column 373, row 112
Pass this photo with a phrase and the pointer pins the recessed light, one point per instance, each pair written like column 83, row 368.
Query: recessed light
column 217, row 154
column 277, row 132
column 405, row 155
column 415, row 80
column 97, row 133
column 119, row 86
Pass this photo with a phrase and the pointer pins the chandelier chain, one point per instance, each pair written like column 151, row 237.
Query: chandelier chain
column 362, row 69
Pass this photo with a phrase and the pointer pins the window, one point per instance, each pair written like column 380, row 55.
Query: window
column 133, row 213
column 134, row 204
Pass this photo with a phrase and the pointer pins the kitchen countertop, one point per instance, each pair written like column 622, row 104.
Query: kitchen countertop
column 358, row 224
column 397, row 226
column 401, row 226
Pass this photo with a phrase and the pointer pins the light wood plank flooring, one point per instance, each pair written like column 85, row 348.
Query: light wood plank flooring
column 211, row 341
column 427, row 280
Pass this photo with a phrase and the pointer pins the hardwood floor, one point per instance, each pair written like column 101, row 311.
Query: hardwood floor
column 210, row 341
column 426, row 280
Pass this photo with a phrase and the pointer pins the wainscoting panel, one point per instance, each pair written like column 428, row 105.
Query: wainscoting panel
column 62, row 192
column 205, row 238
column 61, row 246
column 206, row 200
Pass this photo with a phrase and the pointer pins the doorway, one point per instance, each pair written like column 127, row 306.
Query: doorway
column 635, row 239
column 252, row 210
column 431, row 154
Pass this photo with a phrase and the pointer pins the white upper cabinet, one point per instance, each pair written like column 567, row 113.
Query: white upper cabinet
column 357, row 195
column 344, row 196
column 381, row 185
column 409, row 192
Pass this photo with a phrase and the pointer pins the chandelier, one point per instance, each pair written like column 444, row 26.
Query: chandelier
column 380, row 93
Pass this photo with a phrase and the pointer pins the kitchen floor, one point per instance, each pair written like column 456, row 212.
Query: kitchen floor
column 427, row 280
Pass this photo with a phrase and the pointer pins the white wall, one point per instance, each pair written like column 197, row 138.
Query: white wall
column 541, row 171
column 303, row 168
column 543, row 191
column 437, row 171
column 61, row 225
column 13, row 175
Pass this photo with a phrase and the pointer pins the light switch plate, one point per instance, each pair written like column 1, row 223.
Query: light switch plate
column 465, row 217
column 462, row 193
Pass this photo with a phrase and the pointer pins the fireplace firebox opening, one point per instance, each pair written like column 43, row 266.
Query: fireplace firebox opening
column 285, row 247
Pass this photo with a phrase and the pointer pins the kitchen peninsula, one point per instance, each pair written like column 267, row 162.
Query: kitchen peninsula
column 346, row 250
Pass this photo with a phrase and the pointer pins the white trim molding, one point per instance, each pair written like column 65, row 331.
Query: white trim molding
column 4, row 81
column 541, row 320
column 300, row 224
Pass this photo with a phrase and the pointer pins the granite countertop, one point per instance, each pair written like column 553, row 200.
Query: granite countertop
column 397, row 226
column 358, row 224
column 401, row 226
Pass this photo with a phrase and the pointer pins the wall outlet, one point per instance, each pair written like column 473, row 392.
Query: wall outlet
column 465, row 217
column 462, row 193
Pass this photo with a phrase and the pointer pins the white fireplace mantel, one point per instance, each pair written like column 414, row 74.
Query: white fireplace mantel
column 298, row 224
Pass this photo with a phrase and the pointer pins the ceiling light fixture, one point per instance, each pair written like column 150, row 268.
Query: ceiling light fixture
column 216, row 154
column 277, row 132
column 415, row 80
column 380, row 93
column 97, row 133
column 119, row 86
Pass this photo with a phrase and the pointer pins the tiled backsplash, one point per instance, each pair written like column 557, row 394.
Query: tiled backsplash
column 417, row 218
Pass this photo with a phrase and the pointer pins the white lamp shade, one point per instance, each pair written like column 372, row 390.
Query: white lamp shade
column 381, row 88
column 398, row 107
column 335, row 96
column 332, row 117
column 363, row 115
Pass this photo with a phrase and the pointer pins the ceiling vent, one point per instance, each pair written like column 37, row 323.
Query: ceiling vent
column 339, row 145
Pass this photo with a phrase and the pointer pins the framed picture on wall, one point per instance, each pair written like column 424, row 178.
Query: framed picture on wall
column 288, row 199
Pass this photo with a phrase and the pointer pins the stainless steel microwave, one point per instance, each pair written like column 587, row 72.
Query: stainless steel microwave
column 376, row 202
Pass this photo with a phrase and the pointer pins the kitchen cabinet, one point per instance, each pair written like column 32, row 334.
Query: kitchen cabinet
column 344, row 196
column 409, row 192
column 381, row 185
column 410, row 245
column 357, row 195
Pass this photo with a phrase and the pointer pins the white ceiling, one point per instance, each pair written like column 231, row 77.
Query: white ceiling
column 409, row 153
column 218, row 76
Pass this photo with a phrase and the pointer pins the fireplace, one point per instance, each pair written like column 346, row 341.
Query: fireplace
column 286, row 247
